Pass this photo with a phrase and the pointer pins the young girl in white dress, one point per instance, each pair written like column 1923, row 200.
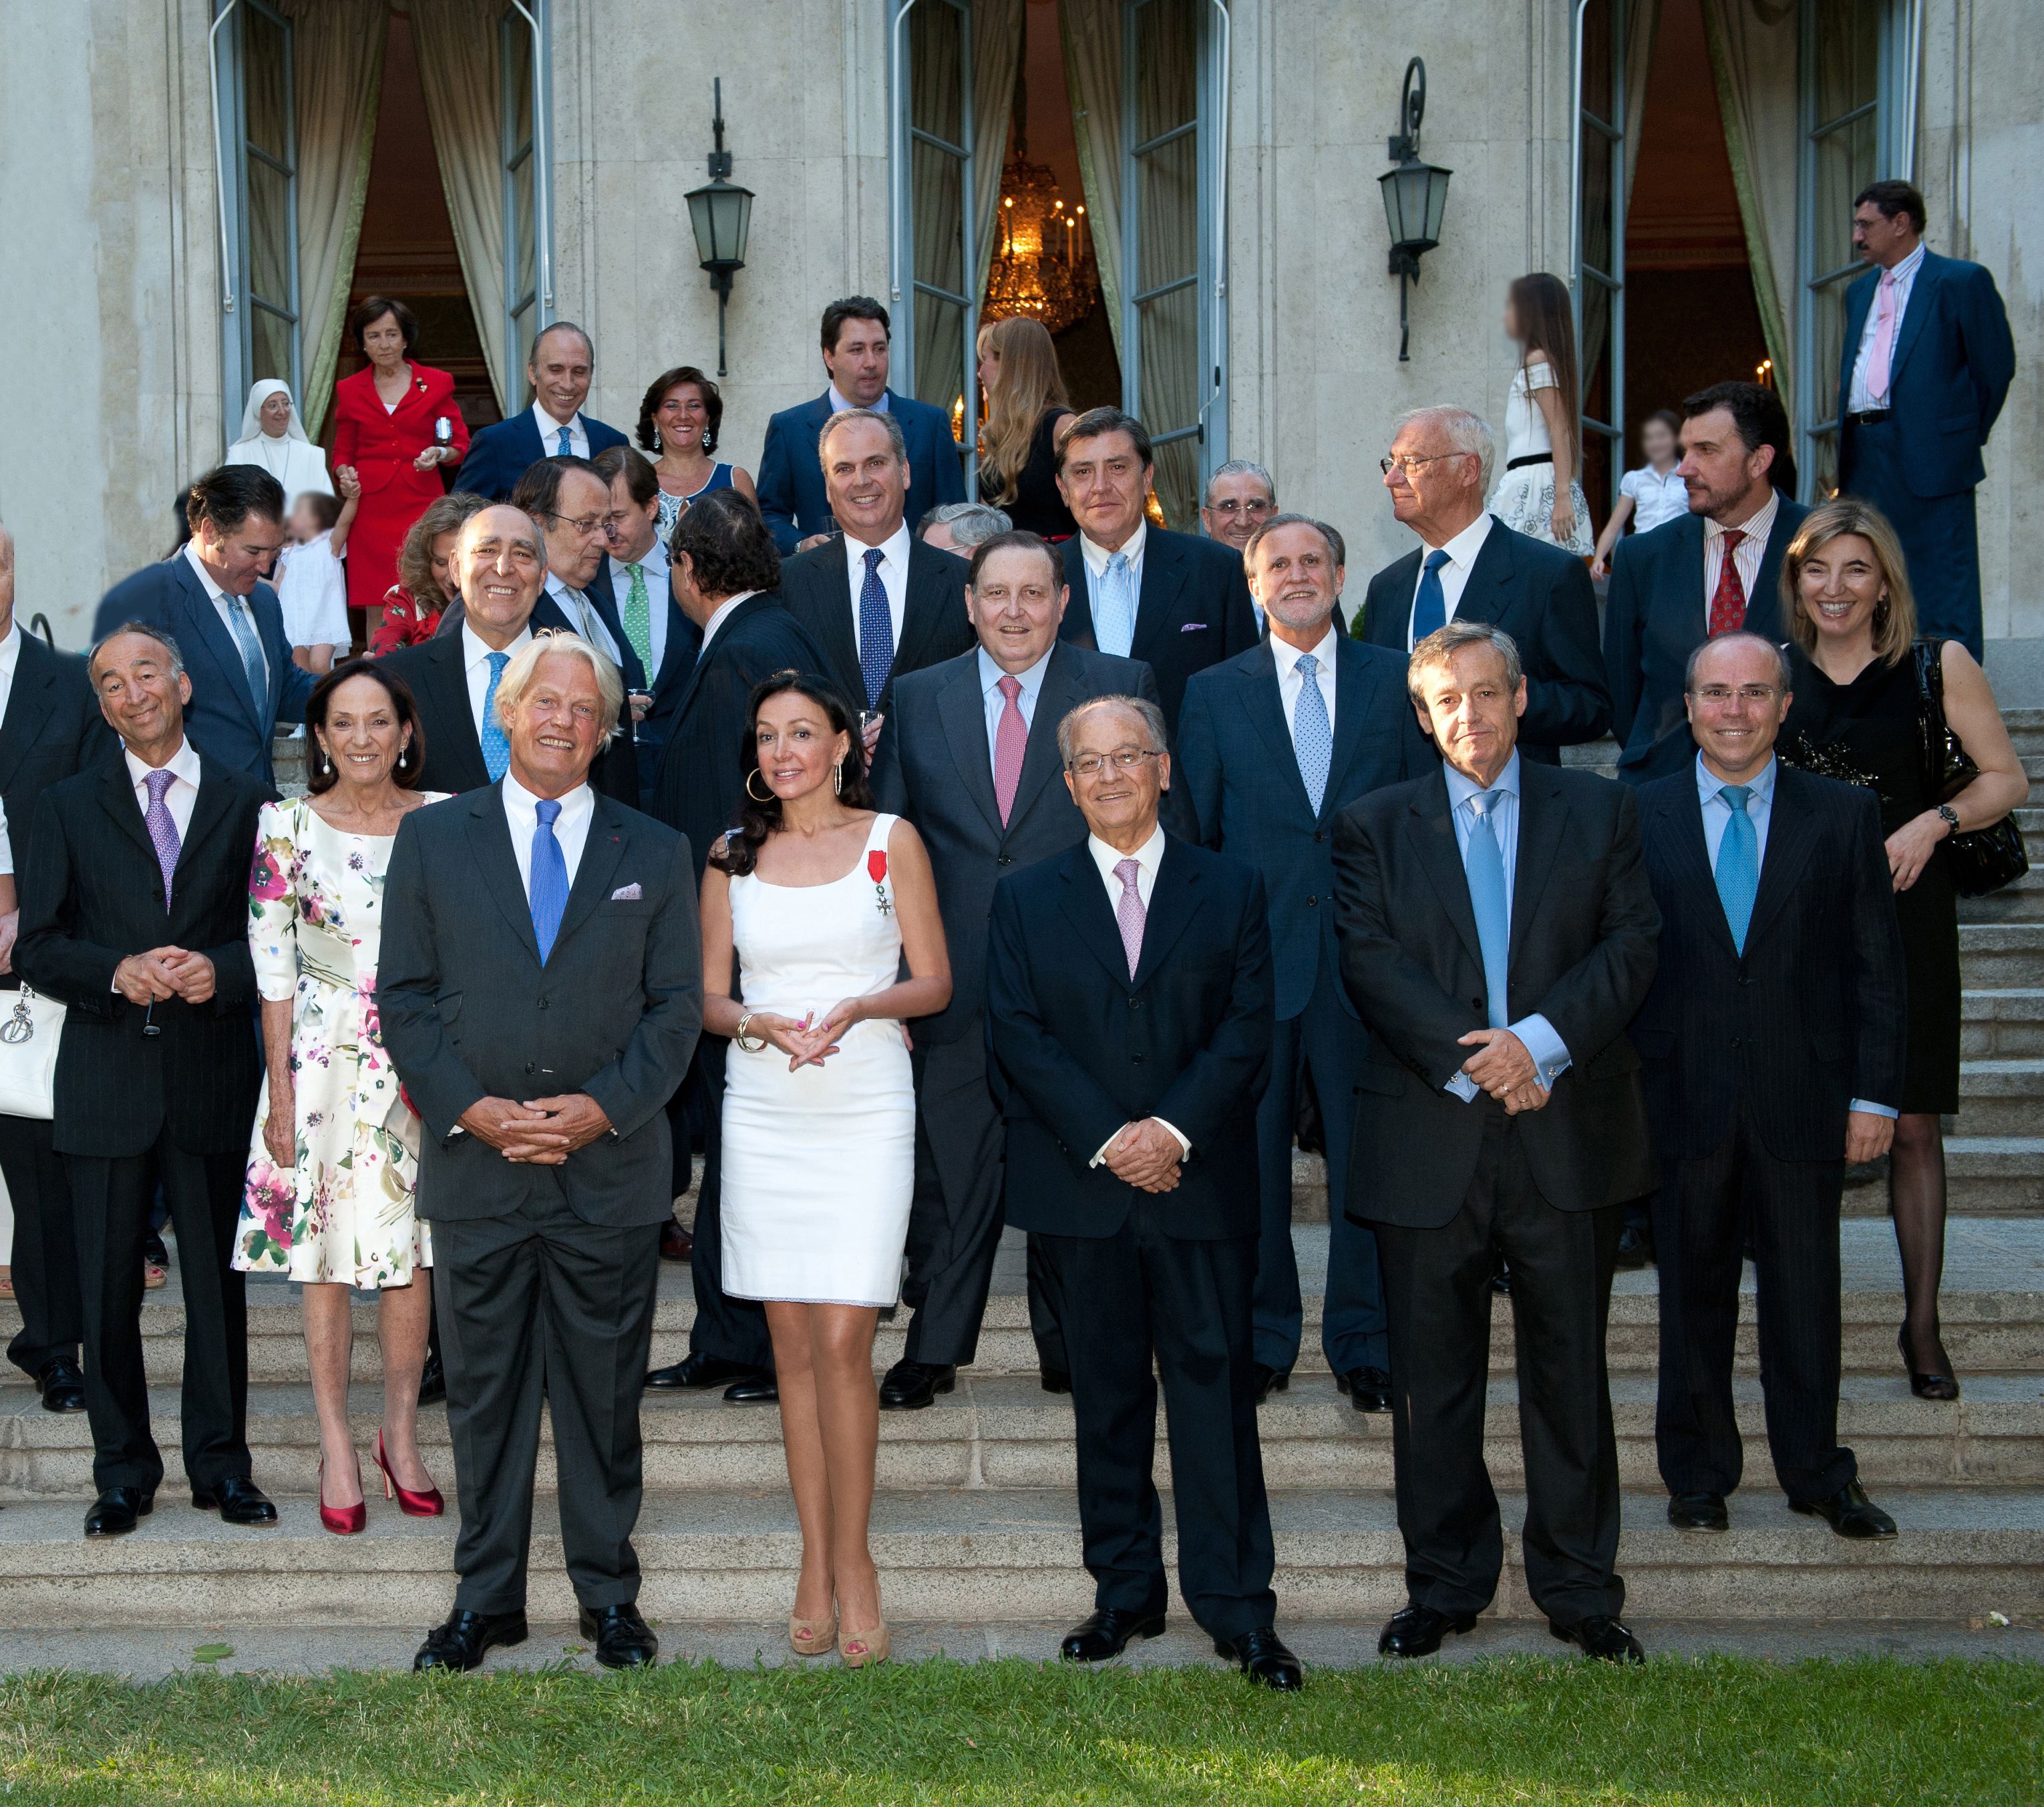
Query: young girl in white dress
column 820, row 898
column 1541, row 491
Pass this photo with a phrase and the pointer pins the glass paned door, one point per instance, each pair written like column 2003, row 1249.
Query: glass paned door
column 1600, row 251
column 518, row 126
column 259, row 141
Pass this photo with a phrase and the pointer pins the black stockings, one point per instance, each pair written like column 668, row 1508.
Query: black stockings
column 1916, row 1196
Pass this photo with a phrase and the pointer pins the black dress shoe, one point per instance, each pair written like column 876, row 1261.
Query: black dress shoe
column 115, row 1513
column 61, row 1382
column 754, row 1390
column 237, row 1501
column 623, row 1639
column 154, row 1251
column 1500, row 1279
column 1698, row 1512
column 911, row 1385
column 467, row 1638
column 1261, row 1656
column 676, row 1243
column 1850, row 1513
column 432, row 1380
column 1417, row 1631
column 1635, row 1246
column 1599, row 1635
column 1269, row 1381
column 697, row 1373
column 1369, row 1389
column 1106, row 1632
column 1055, row 1380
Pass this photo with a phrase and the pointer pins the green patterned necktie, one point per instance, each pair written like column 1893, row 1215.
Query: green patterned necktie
column 639, row 619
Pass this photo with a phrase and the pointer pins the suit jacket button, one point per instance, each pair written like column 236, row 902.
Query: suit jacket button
column 542, row 1003
column 1745, row 978
column 1134, row 1003
column 1736, row 1044
column 531, row 1067
column 1004, row 860
column 1476, row 1003
column 1320, row 835
column 1136, row 1059
column 1311, row 901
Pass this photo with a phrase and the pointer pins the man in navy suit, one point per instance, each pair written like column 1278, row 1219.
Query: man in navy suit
column 663, row 639
column 792, row 496
column 1469, row 566
column 1675, row 587
column 1271, row 746
column 1128, row 1017
column 562, row 362
column 1177, row 602
column 210, row 597
column 1923, row 369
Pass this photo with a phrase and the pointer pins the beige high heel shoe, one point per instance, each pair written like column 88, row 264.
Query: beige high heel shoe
column 865, row 1648
column 812, row 1637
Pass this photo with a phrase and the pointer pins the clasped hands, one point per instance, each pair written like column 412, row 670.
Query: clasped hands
column 1502, row 1067
column 164, row 973
column 1145, row 1155
column 544, row 1132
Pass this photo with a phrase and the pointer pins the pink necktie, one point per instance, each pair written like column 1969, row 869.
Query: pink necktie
column 1882, row 348
column 1129, row 912
column 1011, row 741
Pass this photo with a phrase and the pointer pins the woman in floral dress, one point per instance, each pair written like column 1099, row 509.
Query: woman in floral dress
column 335, row 1150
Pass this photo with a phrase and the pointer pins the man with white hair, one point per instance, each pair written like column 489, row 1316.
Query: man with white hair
column 962, row 527
column 1240, row 498
column 1470, row 566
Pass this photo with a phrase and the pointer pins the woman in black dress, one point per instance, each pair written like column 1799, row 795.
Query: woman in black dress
column 1026, row 403
column 1856, row 715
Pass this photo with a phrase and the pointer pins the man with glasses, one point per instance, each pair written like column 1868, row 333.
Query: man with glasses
column 1240, row 498
column 1469, row 566
column 1772, row 1044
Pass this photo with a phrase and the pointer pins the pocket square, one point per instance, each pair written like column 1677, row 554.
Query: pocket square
column 627, row 894
column 1193, row 628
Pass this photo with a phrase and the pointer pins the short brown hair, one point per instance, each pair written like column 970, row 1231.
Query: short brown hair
column 1893, row 197
column 642, row 481
column 1895, row 627
column 321, row 773
column 1014, row 539
column 1096, row 421
column 371, row 309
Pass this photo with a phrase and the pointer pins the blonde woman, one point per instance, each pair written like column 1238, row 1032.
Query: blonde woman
column 1857, row 715
column 1026, row 403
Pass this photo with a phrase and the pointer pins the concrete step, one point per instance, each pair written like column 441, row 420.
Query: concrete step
column 2026, row 729
column 1989, row 1176
column 2001, row 1097
column 994, row 1555
column 2022, row 902
column 1004, row 1432
column 2001, row 955
column 2005, row 1026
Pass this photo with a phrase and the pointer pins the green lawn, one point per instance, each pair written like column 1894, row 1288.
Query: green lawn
column 1521, row 1730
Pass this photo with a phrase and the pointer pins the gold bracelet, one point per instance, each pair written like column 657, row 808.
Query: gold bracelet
column 749, row 1046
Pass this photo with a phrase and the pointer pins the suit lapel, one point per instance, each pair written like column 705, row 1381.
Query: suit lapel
column 210, row 810
column 1163, row 578
column 1487, row 595
column 1763, row 608
column 1058, row 697
column 1356, row 699
column 837, row 642
column 1258, row 679
column 1922, row 293
column 1392, row 624
column 1432, row 830
column 1691, row 858
column 924, row 603
column 1174, row 900
column 601, row 854
column 27, row 709
column 1790, row 832
column 201, row 621
column 1542, row 817
column 450, row 705
column 963, row 720
column 116, row 793
column 1086, row 908
column 489, row 837
column 1077, row 626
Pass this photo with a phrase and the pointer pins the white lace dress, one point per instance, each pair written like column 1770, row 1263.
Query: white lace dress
column 1524, row 497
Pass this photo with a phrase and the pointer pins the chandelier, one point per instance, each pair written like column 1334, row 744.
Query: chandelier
column 1044, row 266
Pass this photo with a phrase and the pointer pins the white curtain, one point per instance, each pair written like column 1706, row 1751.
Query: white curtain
column 338, row 61
column 1091, row 34
column 997, row 56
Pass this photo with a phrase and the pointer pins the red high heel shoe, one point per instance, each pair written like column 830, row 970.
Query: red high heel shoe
column 343, row 1521
column 427, row 1505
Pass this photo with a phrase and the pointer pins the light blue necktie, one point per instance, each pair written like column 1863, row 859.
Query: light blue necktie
column 565, row 447
column 496, row 749
column 1739, row 864
column 1484, row 865
column 876, row 630
column 1430, row 607
column 251, row 649
column 1312, row 734
column 1114, row 620
column 550, row 880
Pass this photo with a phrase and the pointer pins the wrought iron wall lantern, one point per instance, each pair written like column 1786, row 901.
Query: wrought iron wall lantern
column 1416, row 195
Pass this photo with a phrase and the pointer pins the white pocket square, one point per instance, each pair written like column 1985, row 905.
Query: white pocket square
column 627, row 894
column 1193, row 628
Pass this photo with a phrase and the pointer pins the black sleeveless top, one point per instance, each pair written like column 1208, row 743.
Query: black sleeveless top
column 1037, row 507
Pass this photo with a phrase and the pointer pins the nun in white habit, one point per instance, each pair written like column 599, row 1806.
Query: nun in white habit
column 272, row 437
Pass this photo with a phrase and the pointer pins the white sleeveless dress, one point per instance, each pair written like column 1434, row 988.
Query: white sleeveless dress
column 819, row 1164
column 1524, row 498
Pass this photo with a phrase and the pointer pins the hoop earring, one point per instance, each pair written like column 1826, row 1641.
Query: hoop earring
column 837, row 779
column 755, row 795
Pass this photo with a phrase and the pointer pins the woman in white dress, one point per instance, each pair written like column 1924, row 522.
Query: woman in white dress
column 1541, row 492
column 821, row 898
column 272, row 436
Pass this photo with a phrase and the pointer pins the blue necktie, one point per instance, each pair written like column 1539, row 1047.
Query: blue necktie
column 496, row 749
column 1430, row 607
column 1312, row 734
column 251, row 649
column 876, row 630
column 1739, row 864
column 1484, row 864
column 550, row 880
column 1114, row 620
column 565, row 447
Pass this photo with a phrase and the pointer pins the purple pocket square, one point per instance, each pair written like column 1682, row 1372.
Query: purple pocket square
column 627, row 894
column 1193, row 628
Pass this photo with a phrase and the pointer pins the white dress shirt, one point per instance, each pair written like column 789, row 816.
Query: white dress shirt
column 475, row 666
column 894, row 578
column 658, row 593
column 1148, row 857
column 550, row 432
column 1746, row 556
column 226, row 607
column 717, row 621
column 1290, row 685
column 580, row 609
column 839, row 405
column 1096, row 557
column 183, row 792
column 1860, row 398
column 1454, row 575
column 570, row 827
column 10, row 658
column 996, row 704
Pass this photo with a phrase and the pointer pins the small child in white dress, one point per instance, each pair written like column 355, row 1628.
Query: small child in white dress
column 1653, row 495
column 311, row 584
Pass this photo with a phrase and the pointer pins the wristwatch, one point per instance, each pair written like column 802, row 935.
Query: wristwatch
column 1951, row 816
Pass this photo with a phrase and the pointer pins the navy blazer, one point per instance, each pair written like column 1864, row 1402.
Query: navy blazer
column 816, row 587
column 790, row 487
column 677, row 664
column 1194, row 609
column 1236, row 760
column 500, row 455
column 1948, row 375
column 1656, row 614
column 1078, row 1048
column 221, row 718
column 1542, row 597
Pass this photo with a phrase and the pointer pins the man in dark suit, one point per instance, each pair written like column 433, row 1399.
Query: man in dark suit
column 970, row 756
column 135, row 917
column 1497, row 932
column 725, row 567
column 878, row 602
column 50, row 729
column 1923, row 369
column 1469, row 566
column 1675, row 587
column 792, row 496
column 541, row 944
column 1128, row 1017
column 210, row 598
column 562, row 362
column 1272, row 747
column 1773, row 1046
column 1176, row 601
column 662, row 640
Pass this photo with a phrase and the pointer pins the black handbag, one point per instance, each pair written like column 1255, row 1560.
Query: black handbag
column 1979, row 860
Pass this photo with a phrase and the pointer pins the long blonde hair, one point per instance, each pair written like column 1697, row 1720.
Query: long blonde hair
column 1894, row 619
column 1028, row 385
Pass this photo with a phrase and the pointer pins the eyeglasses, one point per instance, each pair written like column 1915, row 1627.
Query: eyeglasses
column 1124, row 759
column 1231, row 508
column 1717, row 695
column 1409, row 463
column 587, row 525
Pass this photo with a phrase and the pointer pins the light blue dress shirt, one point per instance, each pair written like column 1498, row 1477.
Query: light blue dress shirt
column 995, row 704
column 1551, row 1058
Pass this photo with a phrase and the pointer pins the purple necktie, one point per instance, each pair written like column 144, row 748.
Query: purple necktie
column 1129, row 912
column 163, row 830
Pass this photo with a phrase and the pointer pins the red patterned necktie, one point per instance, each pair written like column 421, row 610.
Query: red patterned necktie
column 1728, row 604
column 1011, row 741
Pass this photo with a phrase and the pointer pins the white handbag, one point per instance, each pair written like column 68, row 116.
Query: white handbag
column 29, row 1037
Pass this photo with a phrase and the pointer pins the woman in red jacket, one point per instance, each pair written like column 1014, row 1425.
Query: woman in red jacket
column 395, row 424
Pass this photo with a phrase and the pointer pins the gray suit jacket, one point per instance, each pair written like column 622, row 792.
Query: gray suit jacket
column 469, row 1012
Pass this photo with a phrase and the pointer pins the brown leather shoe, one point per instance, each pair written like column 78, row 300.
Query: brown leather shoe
column 676, row 1243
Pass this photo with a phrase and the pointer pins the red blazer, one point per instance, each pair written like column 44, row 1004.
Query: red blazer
column 380, row 447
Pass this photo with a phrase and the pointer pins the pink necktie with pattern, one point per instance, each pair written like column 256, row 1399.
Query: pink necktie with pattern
column 1882, row 351
column 1011, row 741
column 1129, row 912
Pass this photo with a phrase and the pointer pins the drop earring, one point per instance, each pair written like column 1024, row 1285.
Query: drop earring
column 708, row 443
column 656, row 439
